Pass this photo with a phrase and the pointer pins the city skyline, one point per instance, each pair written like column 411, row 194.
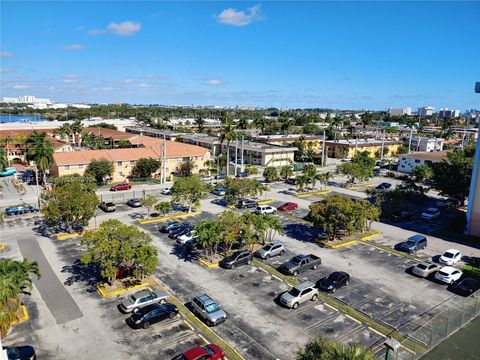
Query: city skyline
column 279, row 54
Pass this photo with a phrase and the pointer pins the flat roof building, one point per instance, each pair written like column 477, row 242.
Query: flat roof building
column 342, row 149
column 407, row 162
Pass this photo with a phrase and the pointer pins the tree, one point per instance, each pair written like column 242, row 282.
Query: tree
column 260, row 123
column 200, row 121
column 15, row 277
column 242, row 123
column 76, row 129
column 189, row 190
column 148, row 202
column 101, row 170
column 251, row 170
column 145, row 167
column 114, row 244
column 452, row 176
column 286, row 171
column 124, row 144
column 163, row 207
column 40, row 150
column 236, row 189
column 422, row 172
column 209, row 234
column 71, row 201
column 270, row 173
column 265, row 226
column 231, row 222
column 361, row 167
column 310, row 172
column 322, row 348
column 3, row 159
column 301, row 180
column 228, row 134
column 186, row 168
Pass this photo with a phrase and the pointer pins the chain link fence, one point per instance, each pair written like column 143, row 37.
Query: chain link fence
column 427, row 331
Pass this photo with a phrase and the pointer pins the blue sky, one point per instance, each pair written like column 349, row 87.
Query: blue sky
column 297, row 54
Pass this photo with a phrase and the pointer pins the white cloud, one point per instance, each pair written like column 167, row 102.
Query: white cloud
column 96, row 32
column 126, row 28
column 145, row 85
column 73, row 47
column 6, row 54
column 239, row 18
column 6, row 70
column 21, row 86
column 70, row 79
column 128, row 81
column 214, row 82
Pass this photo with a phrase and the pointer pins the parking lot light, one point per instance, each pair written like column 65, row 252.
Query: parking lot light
column 391, row 345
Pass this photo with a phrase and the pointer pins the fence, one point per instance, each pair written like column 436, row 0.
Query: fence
column 123, row 197
column 427, row 331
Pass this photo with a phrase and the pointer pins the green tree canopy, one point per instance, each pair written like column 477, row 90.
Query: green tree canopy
column 322, row 348
column 360, row 167
column 145, row 167
column 189, row 191
column 100, row 170
column 236, row 189
column 114, row 244
column 148, row 202
column 286, row 171
column 72, row 200
column 270, row 173
column 422, row 172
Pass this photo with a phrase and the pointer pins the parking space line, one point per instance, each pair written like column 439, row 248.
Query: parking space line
column 376, row 332
column 353, row 319
column 173, row 341
column 320, row 322
column 350, row 333
column 331, row 307
column 188, row 324
column 293, row 313
column 156, row 327
column 203, row 338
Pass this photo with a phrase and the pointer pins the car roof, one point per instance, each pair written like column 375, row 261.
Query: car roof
column 452, row 251
column 195, row 352
column 432, row 209
column 417, row 237
column 448, row 269
column 304, row 285
column 141, row 293
column 426, row 263
column 275, row 242
column 205, row 299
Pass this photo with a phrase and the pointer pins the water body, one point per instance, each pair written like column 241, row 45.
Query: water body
column 6, row 118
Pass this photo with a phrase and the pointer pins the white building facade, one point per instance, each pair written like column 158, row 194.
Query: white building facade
column 425, row 111
column 407, row 162
column 399, row 111
column 425, row 144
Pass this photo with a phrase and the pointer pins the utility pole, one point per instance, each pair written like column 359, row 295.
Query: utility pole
column 241, row 158
column 163, row 175
column 236, row 154
column 383, row 145
column 323, row 149
column 410, row 140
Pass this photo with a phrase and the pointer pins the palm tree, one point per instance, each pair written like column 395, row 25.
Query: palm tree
column 228, row 134
column 76, row 129
column 64, row 132
column 3, row 159
column 301, row 181
column 286, row 172
column 200, row 123
column 242, row 123
column 7, row 141
column 40, row 150
column 260, row 123
column 287, row 125
column 325, row 348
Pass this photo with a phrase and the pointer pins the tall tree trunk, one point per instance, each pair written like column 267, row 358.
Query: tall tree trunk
column 228, row 157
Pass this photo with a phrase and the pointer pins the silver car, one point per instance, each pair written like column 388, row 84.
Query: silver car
column 208, row 310
column 143, row 298
column 273, row 248
column 299, row 294
column 425, row 268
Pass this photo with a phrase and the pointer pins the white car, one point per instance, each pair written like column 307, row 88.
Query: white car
column 187, row 237
column 218, row 191
column 430, row 214
column 167, row 191
column 206, row 178
column 265, row 209
column 448, row 274
column 450, row 257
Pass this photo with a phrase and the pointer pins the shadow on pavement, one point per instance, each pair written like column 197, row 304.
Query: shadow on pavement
column 302, row 232
column 79, row 273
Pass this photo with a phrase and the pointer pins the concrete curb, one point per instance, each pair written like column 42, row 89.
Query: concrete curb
column 337, row 246
column 25, row 316
column 266, row 201
column 320, row 192
column 2, row 246
column 207, row 264
column 368, row 237
column 116, row 292
column 170, row 217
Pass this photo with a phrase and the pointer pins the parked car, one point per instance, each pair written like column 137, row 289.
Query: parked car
column 120, row 187
column 246, row 204
column 384, row 186
column 243, row 174
column 208, row 310
column 446, row 203
column 206, row 178
column 450, row 257
column 25, row 352
column 218, row 191
column 430, row 214
column 8, row 171
column 273, row 248
column 291, row 181
column 299, row 294
column 207, row 352
column 288, row 206
column 466, row 286
column 300, row 263
column 167, row 191
column 239, row 257
column 425, row 268
column 190, row 235
column 183, row 229
column 448, row 274
column 220, row 176
column 413, row 244
column 265, row 209
column 169, row 225
column 141, row 299
column 402, row 216
column 152, row 314
column 107, row 206
column 19, row 210
column 334, row 281
column 134, row 203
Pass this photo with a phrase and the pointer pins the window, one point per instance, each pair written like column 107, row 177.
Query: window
column 66, row 167
column 132, row 162
column 306, row 292
column 80, row 166
column 119, row 163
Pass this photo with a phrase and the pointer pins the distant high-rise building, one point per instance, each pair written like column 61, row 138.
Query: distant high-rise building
column 445, row 113
column 399, row 111
column 425, row 111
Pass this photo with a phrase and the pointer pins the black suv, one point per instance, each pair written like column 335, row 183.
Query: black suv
column 246, row 204
column 240, row 257
column 152, row 314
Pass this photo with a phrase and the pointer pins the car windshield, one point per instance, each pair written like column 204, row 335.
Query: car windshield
column 422, row 266
column 212, row 308
column 334, row 277
column 294, row 292
column 296, row 260
column 442, row 273
column 411, row 242
column 430, row 211
column 209, row 350
column 267, row 247
column 448, row 255
column 133, row 298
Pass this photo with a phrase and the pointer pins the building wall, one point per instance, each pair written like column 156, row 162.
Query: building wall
column 473, row 212
column 406, row 165
column 341, row 151
column 314, row 144
column 123, row 169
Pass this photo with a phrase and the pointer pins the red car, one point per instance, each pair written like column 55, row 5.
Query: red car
column 289, row 206
column 208, row 352
column 120, row 187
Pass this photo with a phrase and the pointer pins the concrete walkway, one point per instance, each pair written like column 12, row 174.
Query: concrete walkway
column 58, row 300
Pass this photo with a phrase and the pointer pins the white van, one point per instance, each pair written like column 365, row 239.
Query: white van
column 265, row 209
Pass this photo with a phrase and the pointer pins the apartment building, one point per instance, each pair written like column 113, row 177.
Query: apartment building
column 425, row 144
column 342, row 149
column 407, row 162
column 399, row 111
column 311, row 141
